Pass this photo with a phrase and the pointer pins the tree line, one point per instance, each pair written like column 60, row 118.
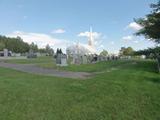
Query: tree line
column 17, row 45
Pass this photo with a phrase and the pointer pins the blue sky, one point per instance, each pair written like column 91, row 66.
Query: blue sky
column 59, row 22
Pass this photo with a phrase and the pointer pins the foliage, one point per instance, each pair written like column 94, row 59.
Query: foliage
column 17, row 45
column 2, row 45
column 150, row 52
column 42, row 50
column 49, row 50
column 104, row 53
column 59, row 51
column 14, row 44
column 151, row 24
column 126, row 51
column 33, row 47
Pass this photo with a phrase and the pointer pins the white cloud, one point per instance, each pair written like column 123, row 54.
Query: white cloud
column 99, row 39
column 40, row 39
column 96, row 35
column 134, row 26
column 127, row 38
column 136, row 41
column 58, row 31
column 131, row 39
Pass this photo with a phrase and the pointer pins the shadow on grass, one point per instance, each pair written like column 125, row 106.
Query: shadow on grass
column 147, row 66
column 154, row 80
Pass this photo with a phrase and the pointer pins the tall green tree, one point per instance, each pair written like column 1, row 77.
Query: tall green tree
column 33, row 47
column 151, row 24
column 49, row 50
column 126, row 51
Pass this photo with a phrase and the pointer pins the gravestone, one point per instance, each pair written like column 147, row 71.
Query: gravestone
column 84, row 59
column 5, row 51
column 63, row 60
column 76, row 59
column 58, row 59
column 31, row 54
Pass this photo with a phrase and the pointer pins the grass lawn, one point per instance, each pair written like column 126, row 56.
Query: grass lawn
column 49, row 62
column 130, row 91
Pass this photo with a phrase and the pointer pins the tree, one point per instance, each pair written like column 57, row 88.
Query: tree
column 34, row 47
column 126, row 51
column 104, row 53
column 151, row 27
column 42, row 50
column 150, row 52
column 14, row 44
column 49, row 50
column 151, row 24
column 2, row 45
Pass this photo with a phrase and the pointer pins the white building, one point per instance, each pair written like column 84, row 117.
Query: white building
column 83, row 49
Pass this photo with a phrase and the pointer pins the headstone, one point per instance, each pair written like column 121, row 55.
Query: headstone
column 84, row 59
column 94, row 58
column 58, row 59
column 63, row 60
column 5, row 52
column 76, row 59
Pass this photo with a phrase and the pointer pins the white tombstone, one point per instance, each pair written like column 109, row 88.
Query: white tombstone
column 84, row 59
column 5, row 52
column 63, row 62
column 76, row 59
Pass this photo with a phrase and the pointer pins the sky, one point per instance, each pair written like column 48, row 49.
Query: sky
column 61, row 23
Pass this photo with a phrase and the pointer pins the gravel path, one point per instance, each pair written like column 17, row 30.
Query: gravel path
column 43, row 71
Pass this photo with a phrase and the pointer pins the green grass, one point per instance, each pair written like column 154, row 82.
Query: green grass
column 37, row 60
column 129, row 92
column 49, row 62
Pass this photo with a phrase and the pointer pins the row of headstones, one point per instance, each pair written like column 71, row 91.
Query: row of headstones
column 84, row 59
column 7, row 53
column 62, row 59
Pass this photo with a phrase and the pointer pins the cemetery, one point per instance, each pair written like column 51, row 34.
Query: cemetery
column 79, row 83
column 71, row 73
column 130, row 81
column 77, row 80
